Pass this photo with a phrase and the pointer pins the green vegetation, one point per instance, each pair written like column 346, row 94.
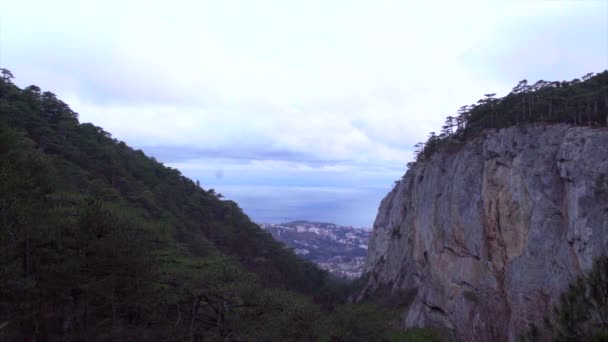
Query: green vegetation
column 582, row 311
column 100, row 242
column 578, row 102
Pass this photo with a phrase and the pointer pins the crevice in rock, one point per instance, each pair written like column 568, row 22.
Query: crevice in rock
column 466, row 284
column 463, row 253
column 435, row 308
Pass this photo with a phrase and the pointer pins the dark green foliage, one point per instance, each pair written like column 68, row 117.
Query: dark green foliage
column 370, row 322
column 100, row 242
column 414, row 335
column 582, row 311
column 581, row 103
column 286, row 317
column 87, row 162
column 363, row 322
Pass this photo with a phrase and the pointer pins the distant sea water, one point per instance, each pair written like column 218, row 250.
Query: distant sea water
column 280, row 191
column 355, row 207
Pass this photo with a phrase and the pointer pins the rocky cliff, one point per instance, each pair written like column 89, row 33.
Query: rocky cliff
column 483, row 237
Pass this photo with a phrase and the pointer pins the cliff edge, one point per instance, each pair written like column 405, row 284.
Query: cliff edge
column 482, row 238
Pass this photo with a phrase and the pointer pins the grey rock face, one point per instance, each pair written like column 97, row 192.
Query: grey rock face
column 484, row 237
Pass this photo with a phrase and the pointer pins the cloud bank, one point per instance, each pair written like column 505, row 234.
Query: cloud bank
column 292, row 95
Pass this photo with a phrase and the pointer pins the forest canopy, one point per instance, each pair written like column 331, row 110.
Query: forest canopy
column 580, row 102
column 100, row 242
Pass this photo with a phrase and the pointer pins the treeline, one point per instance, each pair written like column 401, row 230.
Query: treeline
column 580, row 102
column 100, row 242
column 86, row 162
column 581, row 313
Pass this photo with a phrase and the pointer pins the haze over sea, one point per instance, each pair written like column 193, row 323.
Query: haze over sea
column 288, row 193
column 294, row 109
column 353, row 207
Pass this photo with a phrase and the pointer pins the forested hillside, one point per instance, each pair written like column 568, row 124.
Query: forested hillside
column 580, row 102
column 100, row 242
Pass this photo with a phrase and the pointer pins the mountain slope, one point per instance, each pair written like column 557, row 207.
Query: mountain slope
column 100, row 242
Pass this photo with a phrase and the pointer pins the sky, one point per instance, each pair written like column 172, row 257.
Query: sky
column 294, row 109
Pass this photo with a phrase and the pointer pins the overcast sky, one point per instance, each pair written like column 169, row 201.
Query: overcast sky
column 295, row 109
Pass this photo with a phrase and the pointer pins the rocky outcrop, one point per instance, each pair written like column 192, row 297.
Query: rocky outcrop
column 483, row 238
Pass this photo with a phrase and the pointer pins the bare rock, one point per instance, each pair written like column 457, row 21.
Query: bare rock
column 488, row 235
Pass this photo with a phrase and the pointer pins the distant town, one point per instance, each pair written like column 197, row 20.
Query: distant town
column 341, row 250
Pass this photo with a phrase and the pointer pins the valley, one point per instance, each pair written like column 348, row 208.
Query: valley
column 341, row 250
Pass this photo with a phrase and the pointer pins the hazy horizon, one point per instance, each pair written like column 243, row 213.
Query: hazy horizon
column 304, row 110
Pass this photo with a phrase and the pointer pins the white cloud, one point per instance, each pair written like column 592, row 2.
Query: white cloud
column 340, row 80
